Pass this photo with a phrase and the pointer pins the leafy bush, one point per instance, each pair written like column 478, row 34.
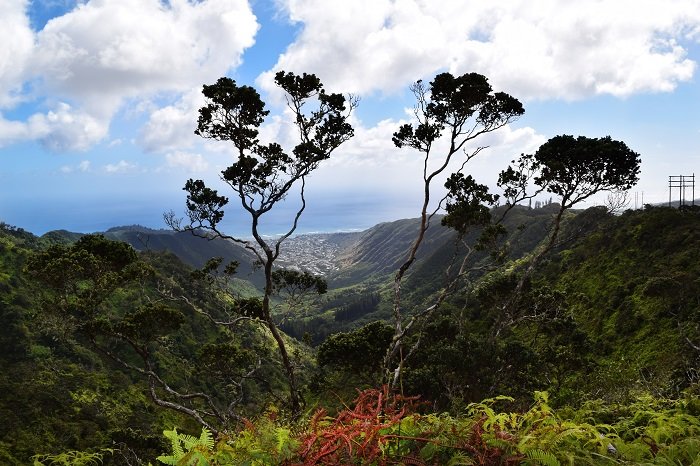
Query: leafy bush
column 383, row 428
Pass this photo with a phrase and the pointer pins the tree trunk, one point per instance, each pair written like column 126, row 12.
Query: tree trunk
column 294, row 399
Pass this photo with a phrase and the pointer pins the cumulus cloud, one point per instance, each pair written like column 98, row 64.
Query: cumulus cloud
column 67, row 129
column 12, row 131
column 371, row 159
column 62, row 128
column 553, row 49
column 371, row 147
column 17, row 41
column 134, row 47
column 172, row 127
column 105, row 53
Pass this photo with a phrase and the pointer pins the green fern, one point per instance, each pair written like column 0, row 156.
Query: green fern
column 188, row 450
column 460, row 459
column 542, row 457
column 177, row 452
column 71, row 458
column 684, row 452
column 499, row 443
column 651, row 431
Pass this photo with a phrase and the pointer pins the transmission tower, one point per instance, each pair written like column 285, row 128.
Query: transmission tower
column 681, row 182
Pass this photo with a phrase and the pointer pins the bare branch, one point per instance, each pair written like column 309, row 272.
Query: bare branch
column 617, row 201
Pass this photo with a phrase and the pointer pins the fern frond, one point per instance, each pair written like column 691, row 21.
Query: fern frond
column 188, row 441
column 542, row 457
column 206, row 438
column 194, row 458
column 174, row 438
column 170, row 460
column 71, row 458
column 499, row 443
column 187, row 449
column 560, row 437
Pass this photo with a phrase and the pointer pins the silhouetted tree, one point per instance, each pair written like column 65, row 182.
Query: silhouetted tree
column 451, row 110
column 263, row 175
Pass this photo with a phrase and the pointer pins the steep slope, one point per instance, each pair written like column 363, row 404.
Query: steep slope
column 611, row 313
column 59, row 393
column 381, row 249
column 634, row 289
column 525, row 229
column 361, row 289
column 190, row 249
column 57, row 396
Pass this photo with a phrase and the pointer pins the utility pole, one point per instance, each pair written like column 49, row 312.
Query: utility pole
column 681, row 182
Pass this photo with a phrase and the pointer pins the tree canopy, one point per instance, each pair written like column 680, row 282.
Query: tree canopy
column 574, row 168
column 264, row 174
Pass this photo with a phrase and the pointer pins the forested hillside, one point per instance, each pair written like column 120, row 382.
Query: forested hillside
column 193, row 250
column 73, row 380
column 360, row 291
column 612, row 312
column 611, row 315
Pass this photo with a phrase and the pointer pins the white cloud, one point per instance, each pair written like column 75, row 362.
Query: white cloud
column 362, row 45
column 104, row 53
column 12, row 131
column 67, row 129
column 120, row 167
column 105, row 50
column 172, row 127
column 83, row 166
column 193, row 163
column 549, row 49
column 61, row 129
column 370, row 159
column 17, row 42
column 371, row 147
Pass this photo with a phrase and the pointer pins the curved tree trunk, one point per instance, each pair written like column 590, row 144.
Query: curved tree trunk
column 294, row 399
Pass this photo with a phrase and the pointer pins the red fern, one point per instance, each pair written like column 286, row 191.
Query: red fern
column 355, row 434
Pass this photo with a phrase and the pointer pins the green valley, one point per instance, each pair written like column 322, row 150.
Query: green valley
column 609, row 318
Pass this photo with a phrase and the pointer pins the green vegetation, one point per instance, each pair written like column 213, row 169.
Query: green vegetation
column 608, row 325
column 383, row 429
column 261, row 176
column 91, row 334
column 610, row 313
column 120, row 354
column 456, row 109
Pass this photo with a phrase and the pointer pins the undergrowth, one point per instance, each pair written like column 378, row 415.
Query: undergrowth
column 382, row 428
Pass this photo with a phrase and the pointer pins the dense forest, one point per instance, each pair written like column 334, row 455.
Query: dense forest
column 481, row 332
column 607, row 327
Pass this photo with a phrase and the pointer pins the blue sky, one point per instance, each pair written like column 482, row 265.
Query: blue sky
column 98, row 98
